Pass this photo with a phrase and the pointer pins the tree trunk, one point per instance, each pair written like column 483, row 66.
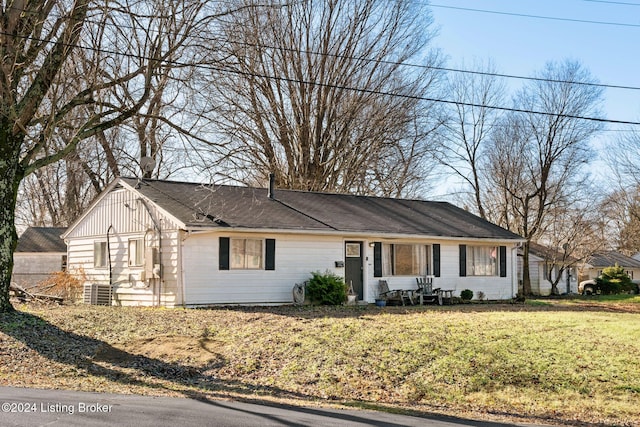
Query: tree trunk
column 10, row 177
column 526, row 279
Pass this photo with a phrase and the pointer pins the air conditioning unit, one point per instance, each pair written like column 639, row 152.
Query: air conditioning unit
column 97, row 294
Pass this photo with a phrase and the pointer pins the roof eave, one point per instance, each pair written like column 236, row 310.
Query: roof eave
column 350, row 234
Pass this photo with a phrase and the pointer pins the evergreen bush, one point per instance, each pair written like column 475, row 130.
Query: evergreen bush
column 466, row 295
column 614, row 280
column 326, row 289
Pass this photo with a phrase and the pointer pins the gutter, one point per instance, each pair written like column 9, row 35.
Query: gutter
column 350, row 234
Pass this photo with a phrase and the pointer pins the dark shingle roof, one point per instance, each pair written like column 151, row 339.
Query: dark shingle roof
column 548, row 253
column 611, row 258
column 244, row 207
column 42, row 239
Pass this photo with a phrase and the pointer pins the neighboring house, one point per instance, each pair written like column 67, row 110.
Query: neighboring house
column 184, row 244
column 545, row 264
column 594, row 264
column 40, row 252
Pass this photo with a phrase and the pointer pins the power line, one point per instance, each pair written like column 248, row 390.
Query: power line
column 406, row 64
column 363, row 90
column 524, row 15
column 453, row 70
column 428, row 99
column 623, row 3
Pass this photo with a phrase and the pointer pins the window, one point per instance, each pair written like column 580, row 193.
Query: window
column 482, row 260
column 353, row 250
column 136, row 252
column 99, row 254
column 246, row 254
column 405, row 260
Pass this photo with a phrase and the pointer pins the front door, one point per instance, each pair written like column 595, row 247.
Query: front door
column 353, row 267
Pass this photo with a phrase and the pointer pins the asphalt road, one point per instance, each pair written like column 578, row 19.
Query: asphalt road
column 32, row 407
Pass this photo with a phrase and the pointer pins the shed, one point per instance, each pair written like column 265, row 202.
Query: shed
column 40, row 252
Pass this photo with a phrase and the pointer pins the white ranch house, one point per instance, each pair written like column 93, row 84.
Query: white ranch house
column 545, row 265
column 155, row 242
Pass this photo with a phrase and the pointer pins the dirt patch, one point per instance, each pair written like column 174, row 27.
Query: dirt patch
column 171, row 348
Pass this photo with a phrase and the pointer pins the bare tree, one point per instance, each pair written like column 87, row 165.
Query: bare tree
column 622, row 204
column 316, row 92
column 570, row 236
column 63, row 69
column 536, row 165
column 467, row 131
column 622, row 158
column 620, row 218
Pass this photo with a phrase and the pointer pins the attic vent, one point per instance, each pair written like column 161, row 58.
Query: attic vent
column 97, row 294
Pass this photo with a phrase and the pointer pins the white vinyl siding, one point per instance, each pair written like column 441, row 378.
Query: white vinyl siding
column 298, row 256
column 120, row 212
column 129, row 286
column 493, row 287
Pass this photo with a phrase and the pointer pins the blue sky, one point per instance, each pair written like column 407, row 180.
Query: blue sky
column 608, row 45
column 521, row 45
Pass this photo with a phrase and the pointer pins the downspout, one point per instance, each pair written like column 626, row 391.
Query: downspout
column 157, row 227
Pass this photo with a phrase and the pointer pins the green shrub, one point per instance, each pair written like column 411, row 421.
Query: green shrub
column 326, row 289
column 466, row 295
column 614, row 280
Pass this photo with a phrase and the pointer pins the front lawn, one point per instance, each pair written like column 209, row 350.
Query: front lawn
column 557, row 361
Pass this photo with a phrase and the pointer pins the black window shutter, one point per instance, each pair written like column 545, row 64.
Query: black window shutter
column 270, row 254
column 463, row 260
column 503, row 261
column 436, row 259
column 224, row 254
column 377, row 259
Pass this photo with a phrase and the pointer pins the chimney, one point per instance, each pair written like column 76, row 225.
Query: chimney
column 272, row 184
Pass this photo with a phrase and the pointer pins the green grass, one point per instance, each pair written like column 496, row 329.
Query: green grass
column 551, row 361
column 634, row 299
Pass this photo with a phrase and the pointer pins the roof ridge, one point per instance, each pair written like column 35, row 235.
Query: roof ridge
column 290, row 190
